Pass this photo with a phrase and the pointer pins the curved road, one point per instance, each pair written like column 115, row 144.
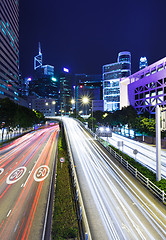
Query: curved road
column 117, row 206
column 25, row 173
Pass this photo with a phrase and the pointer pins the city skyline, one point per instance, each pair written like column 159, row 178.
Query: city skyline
column 84, row 36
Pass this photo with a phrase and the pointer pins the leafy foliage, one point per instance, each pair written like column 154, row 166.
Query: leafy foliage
column 12, row 115
column 145, row 171
column 162, row 184
column 127, row 115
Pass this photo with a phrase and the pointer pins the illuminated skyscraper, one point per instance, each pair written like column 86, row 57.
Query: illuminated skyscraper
column 112, row 73
column 9, row 45
column 143, row 63
column 66, row 79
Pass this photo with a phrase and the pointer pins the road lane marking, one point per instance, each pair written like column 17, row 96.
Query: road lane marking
column 9, row 213
column 1, row 170
column 41, row 173
column 30, row 173
column 16, row 226
column 16, row 175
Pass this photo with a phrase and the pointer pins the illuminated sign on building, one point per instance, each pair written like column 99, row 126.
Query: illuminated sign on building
column 65, row 69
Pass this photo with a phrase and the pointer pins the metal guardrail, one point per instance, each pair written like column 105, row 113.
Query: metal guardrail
column 80, row 209
column 144, row 180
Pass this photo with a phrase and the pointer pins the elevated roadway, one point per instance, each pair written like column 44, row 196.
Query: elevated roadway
column 117, row 206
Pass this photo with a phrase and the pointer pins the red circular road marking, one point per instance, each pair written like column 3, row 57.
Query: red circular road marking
column 1, row 170
column 16, row 175
column 41, row 173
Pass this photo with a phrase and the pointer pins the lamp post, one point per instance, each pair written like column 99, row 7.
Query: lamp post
column 73, row 103
column 158, row 144
column 75, row 99
column 85, row 101
column 92, row 115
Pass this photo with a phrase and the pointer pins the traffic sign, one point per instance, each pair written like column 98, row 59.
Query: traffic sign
column 62, row 160
column 135, row 151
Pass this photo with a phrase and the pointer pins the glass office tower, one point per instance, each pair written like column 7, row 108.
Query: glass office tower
column 9, row 45
column 112, row 73
column 143, row 63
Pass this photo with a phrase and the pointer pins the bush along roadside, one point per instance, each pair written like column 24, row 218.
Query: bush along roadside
column 64, row 222
column 145, row 171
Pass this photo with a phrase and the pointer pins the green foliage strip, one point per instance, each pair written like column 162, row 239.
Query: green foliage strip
column 64, row 224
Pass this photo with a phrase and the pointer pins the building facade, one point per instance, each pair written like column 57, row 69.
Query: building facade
column 9, row 49
column 65, row 100
column 112, row 73
column 48, row 70
column 89, row 86
column 45, row 105
column 99, row 105
column 146, row 88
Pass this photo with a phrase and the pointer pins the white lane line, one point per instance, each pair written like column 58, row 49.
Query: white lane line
column 16, row 226
column 31, row 170
column 9, row 213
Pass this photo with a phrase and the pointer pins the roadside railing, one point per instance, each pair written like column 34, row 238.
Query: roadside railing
column 144, row 180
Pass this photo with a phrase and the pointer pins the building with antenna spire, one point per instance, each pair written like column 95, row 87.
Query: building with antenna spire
column 39, row 68
column 38, row 59
column 43, row 87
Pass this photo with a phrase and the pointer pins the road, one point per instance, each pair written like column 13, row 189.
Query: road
column 26, row 167
column 117, row 206
column 146, row 154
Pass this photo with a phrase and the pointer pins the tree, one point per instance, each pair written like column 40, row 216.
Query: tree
column 13, row 115
column 7, row 112
column 39, row 117
column 147, row 126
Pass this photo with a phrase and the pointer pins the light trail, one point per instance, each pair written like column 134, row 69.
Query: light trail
column 126, row 210
column 23, row 203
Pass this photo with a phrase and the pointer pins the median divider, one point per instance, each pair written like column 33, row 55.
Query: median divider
column 84, row 228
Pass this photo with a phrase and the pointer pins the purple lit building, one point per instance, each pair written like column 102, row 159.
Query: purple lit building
column 146, row 88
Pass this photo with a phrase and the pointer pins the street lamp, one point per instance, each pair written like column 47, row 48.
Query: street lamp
column 85, row 101
column 72, row 101
column 92, row 115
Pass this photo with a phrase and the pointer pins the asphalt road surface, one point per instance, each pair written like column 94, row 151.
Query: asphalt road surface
column 26, row 167
column 117, row 205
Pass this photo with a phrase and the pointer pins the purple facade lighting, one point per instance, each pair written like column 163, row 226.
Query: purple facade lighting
column 147, row 87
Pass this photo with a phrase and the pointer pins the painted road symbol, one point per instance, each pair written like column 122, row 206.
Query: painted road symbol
column 16, row 175
column 1, row 170
column 41, row 173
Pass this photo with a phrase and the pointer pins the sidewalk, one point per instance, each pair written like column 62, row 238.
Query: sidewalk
column 12, row 134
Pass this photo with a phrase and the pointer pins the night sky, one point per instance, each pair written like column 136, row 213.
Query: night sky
column 85, row 35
